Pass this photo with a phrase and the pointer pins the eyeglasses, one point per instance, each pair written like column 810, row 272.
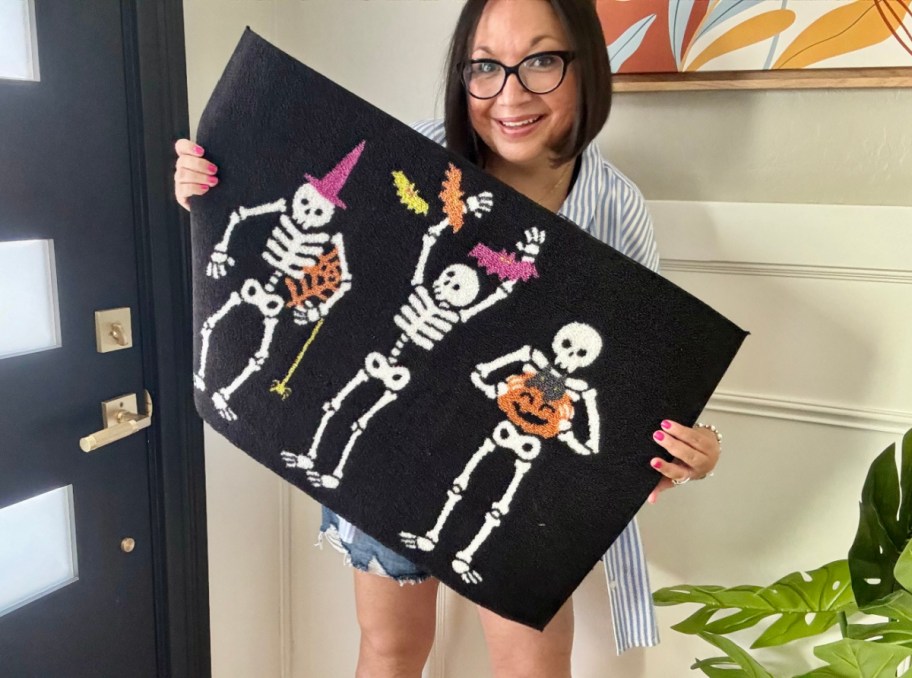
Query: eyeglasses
column 538, row 73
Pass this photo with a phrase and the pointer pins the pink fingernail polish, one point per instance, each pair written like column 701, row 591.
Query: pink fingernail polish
column 657, row 463
column 666, row 424
column 198, row 150
column 213, row 169
column 658, row 435
column 204, row 187
column 212, row 181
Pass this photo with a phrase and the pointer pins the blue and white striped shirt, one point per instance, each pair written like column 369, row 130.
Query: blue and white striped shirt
column 608, row 205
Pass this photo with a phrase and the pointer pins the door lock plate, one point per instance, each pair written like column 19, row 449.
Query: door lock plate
column 113, row 329
column 111, row 408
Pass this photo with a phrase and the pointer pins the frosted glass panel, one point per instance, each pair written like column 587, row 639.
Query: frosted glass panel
column 29, row 317
column 37, row 547
column 18, row 46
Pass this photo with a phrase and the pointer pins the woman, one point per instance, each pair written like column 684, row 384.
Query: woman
column 528, row 89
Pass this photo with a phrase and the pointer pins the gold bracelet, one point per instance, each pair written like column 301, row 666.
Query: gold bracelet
column 718, row 435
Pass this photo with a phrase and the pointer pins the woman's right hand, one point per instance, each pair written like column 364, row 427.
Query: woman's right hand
column 193, row 174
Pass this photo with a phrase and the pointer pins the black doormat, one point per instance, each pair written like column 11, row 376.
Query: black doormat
column 460, row 373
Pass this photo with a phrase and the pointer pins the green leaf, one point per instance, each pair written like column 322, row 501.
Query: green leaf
column 884, row 526
column 902, row 571
column 895, row 632
column 897, row 605
column 849, row 658
column 806, row 603
column 752, row 668
column 719, row 667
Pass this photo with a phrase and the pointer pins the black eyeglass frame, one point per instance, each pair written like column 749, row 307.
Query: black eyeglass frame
column 566, row 56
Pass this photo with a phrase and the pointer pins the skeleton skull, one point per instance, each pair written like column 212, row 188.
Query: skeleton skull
column 309, row 208
column 576, row 345
column 456, row 286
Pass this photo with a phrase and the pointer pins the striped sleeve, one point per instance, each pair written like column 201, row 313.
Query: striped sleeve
column 635, row 236
column 632, row 611
column 433, row 129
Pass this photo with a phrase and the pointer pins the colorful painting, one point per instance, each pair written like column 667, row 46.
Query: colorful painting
column 690, row 37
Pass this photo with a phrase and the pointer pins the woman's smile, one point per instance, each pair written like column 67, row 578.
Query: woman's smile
column 519, row 126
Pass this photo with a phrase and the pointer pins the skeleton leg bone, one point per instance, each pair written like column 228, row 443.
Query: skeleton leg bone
column 330, row 407
column 332, row 481
column 462, row 563
column 395, row 378
column 454, row 494
column 206, row 333
column 255, row 364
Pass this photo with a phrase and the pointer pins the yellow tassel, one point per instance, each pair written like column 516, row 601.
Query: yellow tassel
column 281, row 387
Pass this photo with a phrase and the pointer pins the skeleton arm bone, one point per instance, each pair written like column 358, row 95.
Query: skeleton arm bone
column 534, row 238
column 483, row 370
column 520, row 355
column 478, row 205
column 428, row 241
column 242, row 213
column 591, row 446
column 219, row 259
column 500, row 293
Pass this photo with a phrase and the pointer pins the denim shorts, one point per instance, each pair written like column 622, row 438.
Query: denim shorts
column 365, row 553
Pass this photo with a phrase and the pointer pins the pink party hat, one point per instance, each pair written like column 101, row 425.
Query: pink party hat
column 330, row 185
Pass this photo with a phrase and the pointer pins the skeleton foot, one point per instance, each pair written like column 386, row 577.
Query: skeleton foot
column 330, row 482
column 221, row 404
column 199, row 383
column 297, row 460
column 413, row 541
column 321, row 480
column 464, row 570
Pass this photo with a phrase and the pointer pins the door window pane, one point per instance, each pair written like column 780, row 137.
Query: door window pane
column 37, row 548
column 29, row 317
column 18, row 46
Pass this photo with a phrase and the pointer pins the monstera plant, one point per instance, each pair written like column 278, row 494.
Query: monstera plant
column 875, row 579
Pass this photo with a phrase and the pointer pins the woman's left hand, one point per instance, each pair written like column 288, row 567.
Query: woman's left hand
column 696, row 452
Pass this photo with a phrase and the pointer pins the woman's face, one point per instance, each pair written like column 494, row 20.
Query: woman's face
column 508, row 31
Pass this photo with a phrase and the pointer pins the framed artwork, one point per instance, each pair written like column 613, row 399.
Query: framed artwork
column 757, row 44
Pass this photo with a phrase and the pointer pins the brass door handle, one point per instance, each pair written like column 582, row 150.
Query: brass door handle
column 120, row 422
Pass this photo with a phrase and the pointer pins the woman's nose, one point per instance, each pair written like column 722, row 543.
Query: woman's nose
column 513, row 91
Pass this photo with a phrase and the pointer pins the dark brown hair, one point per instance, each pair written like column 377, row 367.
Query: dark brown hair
column 593, row 78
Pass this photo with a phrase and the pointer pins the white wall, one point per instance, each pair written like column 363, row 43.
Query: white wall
column 824, row 382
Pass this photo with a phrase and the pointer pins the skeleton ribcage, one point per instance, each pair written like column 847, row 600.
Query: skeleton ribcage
column 423, row 322
column 291, row 250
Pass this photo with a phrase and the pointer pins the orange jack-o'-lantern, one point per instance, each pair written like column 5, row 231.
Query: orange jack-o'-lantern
column 526, row 406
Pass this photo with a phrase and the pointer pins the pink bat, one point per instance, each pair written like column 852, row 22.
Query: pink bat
column 503, row 263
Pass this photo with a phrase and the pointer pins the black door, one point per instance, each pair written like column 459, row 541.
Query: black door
column 75, row 223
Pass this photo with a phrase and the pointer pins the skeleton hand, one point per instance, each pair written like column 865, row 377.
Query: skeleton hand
column 479, row 204
column 306, row 314
column 534, row 239
column 218, row 263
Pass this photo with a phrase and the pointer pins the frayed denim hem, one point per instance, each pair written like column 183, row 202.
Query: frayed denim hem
column 332, row 535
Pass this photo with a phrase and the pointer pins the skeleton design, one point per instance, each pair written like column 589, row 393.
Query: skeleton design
column 425, row 319
column 299, row 246
column 538, row 405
